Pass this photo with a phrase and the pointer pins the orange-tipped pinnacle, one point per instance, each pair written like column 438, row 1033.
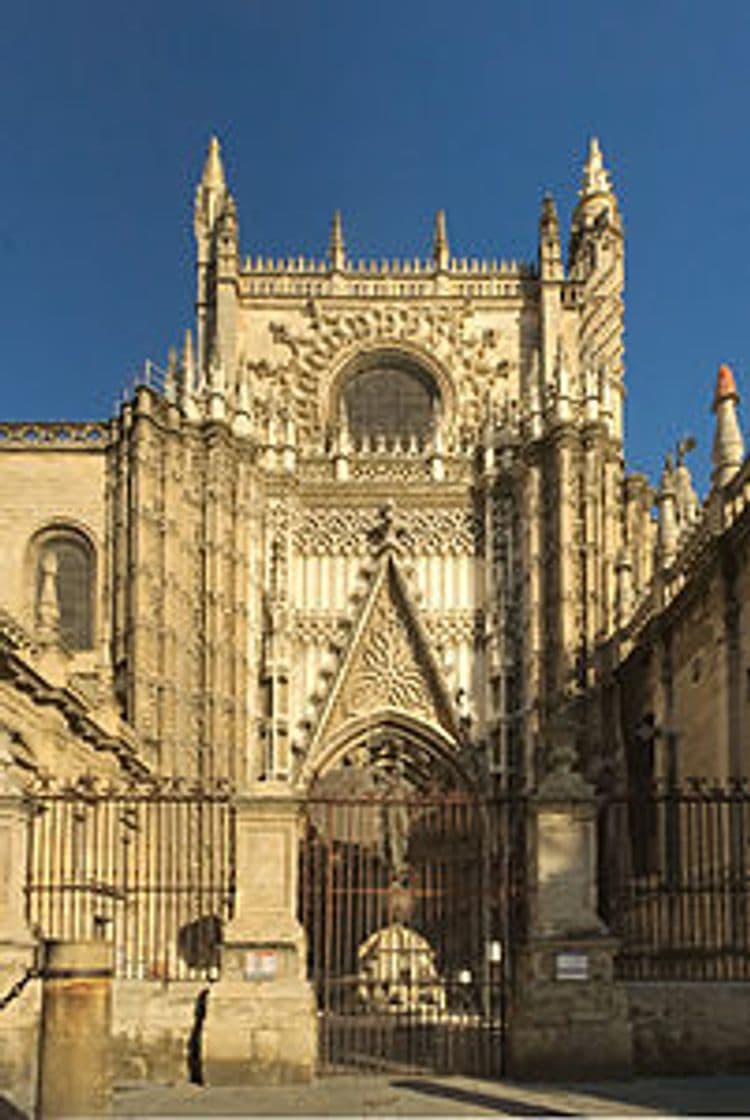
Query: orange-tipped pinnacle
column 725, row 386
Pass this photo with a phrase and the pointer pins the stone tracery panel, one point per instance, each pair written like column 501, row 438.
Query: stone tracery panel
column 329, row 531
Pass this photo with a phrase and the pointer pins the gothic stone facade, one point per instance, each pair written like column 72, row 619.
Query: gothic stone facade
column 460, row 419
column 375, row 507
column 216, row 545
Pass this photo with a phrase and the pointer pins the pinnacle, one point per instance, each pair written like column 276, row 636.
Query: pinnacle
column 336, row 247
column 725, row 386
column 595, row 174
column 549, row 211
column 440, row 228
column 213, row 169
column 337, row 231
column 440, row 250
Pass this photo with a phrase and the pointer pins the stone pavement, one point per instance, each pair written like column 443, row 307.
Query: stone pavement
column 394, row 1095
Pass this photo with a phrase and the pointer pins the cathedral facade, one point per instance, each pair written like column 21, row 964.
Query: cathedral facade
column 215, row 547
column 372, row 526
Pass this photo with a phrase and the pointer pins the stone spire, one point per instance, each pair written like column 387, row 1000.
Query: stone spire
column 728, row 449
column 440, row 248
column 550, row 254
column 212, row 190
column 595, row 174
column 213, row 170
column 170, row 376
column 336, row 246
column 596, row 209
column 688, row 505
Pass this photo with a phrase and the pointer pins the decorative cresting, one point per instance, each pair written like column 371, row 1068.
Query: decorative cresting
column 387, row 675
column 438, row 338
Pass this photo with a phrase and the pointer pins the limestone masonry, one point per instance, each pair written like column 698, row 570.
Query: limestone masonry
column 373, row 524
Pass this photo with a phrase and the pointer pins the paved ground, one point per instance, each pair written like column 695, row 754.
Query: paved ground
column 445, row 1096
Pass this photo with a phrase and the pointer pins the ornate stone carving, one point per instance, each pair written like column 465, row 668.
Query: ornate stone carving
column 317, row 628
column 453, row 627
column 479, row 366
column 388, row 674
column 324, row 531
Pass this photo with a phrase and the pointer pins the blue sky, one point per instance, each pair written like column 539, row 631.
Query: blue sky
column 387, row 110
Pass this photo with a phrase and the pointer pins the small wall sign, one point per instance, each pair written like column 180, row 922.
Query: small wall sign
column 571, row 966
column 494, row 952
column 261, row 964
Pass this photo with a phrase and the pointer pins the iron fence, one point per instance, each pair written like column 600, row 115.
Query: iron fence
column 412, row 907
column 149, row 867
column 674, row 878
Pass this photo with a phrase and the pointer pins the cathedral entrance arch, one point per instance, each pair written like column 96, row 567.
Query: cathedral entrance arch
column 406, row 896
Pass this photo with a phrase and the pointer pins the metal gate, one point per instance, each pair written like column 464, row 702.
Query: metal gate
column 411, row 908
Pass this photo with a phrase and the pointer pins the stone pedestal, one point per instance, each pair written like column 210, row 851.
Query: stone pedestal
column 568, row 1016
column 19, row 1021
column 261, row 1019
column 75, row 1077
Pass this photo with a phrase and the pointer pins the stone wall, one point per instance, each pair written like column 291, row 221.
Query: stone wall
column 39, row 489
column 690, row 1027
column 153, row 1025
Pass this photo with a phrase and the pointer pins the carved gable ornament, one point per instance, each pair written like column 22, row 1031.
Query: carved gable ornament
column 388, row 666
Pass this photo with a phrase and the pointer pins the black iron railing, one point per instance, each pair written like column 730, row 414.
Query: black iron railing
column 148, row 867
column 674, row 880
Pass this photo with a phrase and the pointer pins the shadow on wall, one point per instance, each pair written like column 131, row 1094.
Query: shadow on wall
column 195, row 1042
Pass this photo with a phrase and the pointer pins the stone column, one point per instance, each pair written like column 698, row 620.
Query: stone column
column 75, row 1071
column 569, row 1017
column 19, row 1020
column 261, row 1021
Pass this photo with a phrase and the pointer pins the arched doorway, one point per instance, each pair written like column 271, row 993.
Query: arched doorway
column 406, row 896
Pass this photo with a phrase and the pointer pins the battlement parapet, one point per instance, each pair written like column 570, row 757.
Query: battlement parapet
column 301, row 277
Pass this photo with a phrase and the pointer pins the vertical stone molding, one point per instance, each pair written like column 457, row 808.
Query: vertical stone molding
column 568, row 1012
column 75, row 1072
column 260, row 1026
column 19, row 1020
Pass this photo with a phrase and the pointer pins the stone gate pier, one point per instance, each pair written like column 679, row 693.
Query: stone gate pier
column 260, row 1024
column 569, row 1017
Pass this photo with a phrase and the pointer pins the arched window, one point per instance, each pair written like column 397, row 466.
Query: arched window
column 65, row 583
column 389, row 394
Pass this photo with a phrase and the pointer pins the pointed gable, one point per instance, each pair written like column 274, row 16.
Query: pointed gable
column 388, row 664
